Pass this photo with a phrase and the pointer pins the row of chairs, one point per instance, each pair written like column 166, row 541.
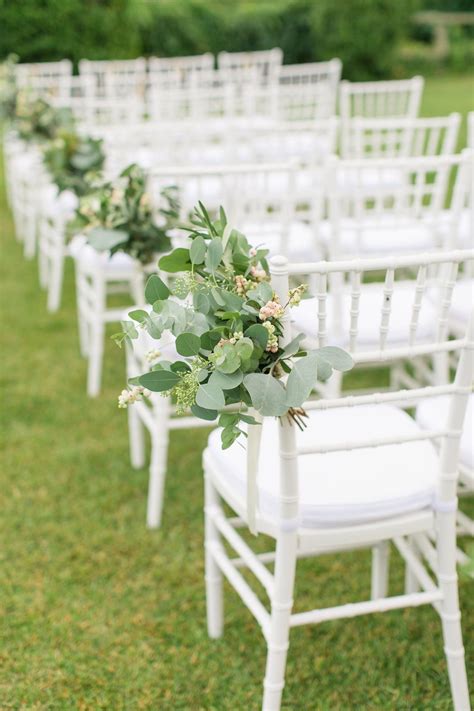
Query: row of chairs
column 246, row 85
column 364, row 473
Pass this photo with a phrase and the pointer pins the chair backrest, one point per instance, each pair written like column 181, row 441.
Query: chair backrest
column 248, row 192
column 174, row 72
column 354, row 271
column 308, row 91
column 378, row 99
column 370, row 195
column 47, row 79
column 399, row 137
column 114, row 79
column 243, row 67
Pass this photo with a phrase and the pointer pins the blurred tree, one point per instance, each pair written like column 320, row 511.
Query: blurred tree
column 42, row 30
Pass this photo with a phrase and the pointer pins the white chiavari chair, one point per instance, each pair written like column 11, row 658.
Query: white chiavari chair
column 45, row 79
column 173, row 72
column 55, row 212
column 362, row 474
column 244, row 67
column 115, row 79
column 401, row 208
column 265, row 201
column 400, row 137
column 308, row 91
column 98, row 276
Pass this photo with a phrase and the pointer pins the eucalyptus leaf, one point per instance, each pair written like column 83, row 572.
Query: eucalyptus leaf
column 337, row 357
column 176, row 261
column 188, row 344
column 104, row 239
column 156, row 289
column 226, row 381
column 258, row 333
column 301, row 380
column 197, row 251
column 210, row 397
column 203, row 413
column 214, row 254
column 268, row 395
column 159, row 380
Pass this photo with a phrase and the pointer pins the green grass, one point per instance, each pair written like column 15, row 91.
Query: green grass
column 98, row 613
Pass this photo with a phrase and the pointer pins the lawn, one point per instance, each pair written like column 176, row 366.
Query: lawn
column 99, row 613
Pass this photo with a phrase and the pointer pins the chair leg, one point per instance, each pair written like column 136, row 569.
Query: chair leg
column 380, row 569
column 30, row 237
column 279, row 634
column 214, row 591
column 136, row 438
column 42, row 268
column 411, row 581
column 450, row 614
column 96, row 354
column 55, row 284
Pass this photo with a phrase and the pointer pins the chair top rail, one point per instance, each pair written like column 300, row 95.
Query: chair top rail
column 185, row 170
column 393, row 84
column 400, row 162
column 457, row 256
column 392, row 122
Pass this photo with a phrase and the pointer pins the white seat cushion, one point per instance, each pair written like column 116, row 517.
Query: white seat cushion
column 465, row 238
column 297, row 241
column 432, row 414
column 382, row 237
column 91, row 258
column 305, row 317
column 340, row 488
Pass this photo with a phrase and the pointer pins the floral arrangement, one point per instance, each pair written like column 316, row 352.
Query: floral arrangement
column 226, row 321
column 119, row 216
column 36, row 120
column 73, row 161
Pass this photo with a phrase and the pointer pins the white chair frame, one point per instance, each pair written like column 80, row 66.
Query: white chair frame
column 400, row 137
column 94, row 282
column 308, row 91
column 293, row 541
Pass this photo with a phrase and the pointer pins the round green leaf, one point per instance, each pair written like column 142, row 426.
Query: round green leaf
column 159, row 380
column 226, row 381
column 197, row 251
column 156, row 289
column 188, row 344
column 268, row 395
column 210, row 397
column 203, row 413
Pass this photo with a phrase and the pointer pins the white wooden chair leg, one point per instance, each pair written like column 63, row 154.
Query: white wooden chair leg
column 96, row 354
column 214, row 583
column 29, row 248
column 136, row 439
column 279, row 633
column 158, row 462
column 55, row 284
column 450, row 614
column 333, row 387
column 42, row 268
column 411, row 581
column 380, row 570
column 84, row 331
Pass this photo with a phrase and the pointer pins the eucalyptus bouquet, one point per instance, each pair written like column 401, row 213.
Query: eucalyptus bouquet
column 118, row 216
column 227, row 333
column 36, row 120
column 73, row 161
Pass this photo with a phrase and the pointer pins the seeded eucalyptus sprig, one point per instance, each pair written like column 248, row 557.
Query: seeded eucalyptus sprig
column 226, row 320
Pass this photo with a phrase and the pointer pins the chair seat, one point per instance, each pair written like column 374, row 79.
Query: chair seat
column 381, row 237
column 295, row 240
column 305, row 317
column 432, row 414
column 465, row 239
column 90, row 258
column 340, row 488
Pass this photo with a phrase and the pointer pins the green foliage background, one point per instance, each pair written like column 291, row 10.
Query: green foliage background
column 364, row 33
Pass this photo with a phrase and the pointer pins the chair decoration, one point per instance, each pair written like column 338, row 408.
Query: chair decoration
column 36, row 120
column 227, row 334
column 73, row 161
column 118, row 216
